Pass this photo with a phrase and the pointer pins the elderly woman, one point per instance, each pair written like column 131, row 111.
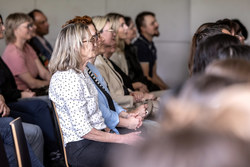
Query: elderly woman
column 86, row 137
column 22, row 60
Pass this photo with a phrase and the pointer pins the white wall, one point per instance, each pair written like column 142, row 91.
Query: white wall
column 178, row 20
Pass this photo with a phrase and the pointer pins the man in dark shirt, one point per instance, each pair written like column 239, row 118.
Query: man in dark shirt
column 39, row 43
column 147, row 26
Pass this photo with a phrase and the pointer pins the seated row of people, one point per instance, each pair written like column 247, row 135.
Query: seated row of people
column 33, row 74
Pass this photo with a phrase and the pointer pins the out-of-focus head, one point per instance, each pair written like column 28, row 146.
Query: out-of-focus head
column 146, row 23
column 41, row 22
column 18, row 25
column 208, row 50
column 2, row 28
column 107, row 34
column 236, row 69
column 204, row 31
column 73, row 48
column 131, row 28
column 187, row 148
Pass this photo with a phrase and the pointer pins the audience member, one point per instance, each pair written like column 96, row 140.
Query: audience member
column 20, row 57
column 71, row 89
column 118, row 58
column 134, row 67
column 187, row 148
column 39, row 43
column 33, row 111
column 147, row 26
column 208, row 50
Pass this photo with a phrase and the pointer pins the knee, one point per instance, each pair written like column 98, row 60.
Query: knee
column 33, row 133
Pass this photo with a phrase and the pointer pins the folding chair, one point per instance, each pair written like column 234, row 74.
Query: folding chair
column 59, row 134
column 3, row 156
column 22, row 152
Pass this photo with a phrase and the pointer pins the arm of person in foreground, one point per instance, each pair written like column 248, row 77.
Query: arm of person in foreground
column 157, row 80
column 43, row 72
column 32, row 82
column 97, row 135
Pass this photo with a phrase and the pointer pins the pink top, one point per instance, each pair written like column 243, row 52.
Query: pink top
column 21, row 62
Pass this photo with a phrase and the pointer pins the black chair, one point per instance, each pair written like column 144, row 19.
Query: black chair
column 22, row 152
column 3, row 156
column 59, row 134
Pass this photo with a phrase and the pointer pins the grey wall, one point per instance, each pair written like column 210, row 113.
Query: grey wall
column 178, row 20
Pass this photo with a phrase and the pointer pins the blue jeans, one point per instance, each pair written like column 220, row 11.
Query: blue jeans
column 36, row 112
column 6, row 136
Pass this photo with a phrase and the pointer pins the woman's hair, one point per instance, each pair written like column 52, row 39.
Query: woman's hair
column 235, row 51
column 100, row 22
column 67, row 51
column 128, row 20
column 203, row 32
column 80, row 19
column 234, row 27
column 242, row 30
column 12, row 22
column 208, row 50
column 1, row 18
column 115, row 24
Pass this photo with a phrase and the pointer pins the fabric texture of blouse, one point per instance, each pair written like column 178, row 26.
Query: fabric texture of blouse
column 20, row 62
column 76, row 102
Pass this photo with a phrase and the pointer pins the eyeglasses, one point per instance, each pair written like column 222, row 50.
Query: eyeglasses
column 93, row 39
column 109, row 30
column 29, row 26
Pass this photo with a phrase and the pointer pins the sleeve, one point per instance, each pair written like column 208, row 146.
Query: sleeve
column 67, row 89
column 10, row 94
column 111, row 118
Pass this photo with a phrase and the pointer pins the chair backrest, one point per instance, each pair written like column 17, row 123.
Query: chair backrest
column 59, row 134
column 22, row 152
column 3, row 157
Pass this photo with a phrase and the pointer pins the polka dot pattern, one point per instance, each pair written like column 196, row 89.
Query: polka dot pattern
column 76, row 101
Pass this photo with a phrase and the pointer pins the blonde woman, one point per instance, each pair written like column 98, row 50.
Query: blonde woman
column 86, row 137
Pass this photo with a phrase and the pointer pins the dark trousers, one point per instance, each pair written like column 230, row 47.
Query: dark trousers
column 89, row 153
column 36, row 112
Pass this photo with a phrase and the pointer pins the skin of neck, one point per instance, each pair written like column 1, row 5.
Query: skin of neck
column 20, row 43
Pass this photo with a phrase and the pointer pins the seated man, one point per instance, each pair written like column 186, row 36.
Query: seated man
column 147, row 26
column 39, row 43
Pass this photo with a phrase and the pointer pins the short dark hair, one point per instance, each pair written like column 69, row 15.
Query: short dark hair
column 127, row 20
column 32, row 13
column 208, row 50
column 139, row 21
